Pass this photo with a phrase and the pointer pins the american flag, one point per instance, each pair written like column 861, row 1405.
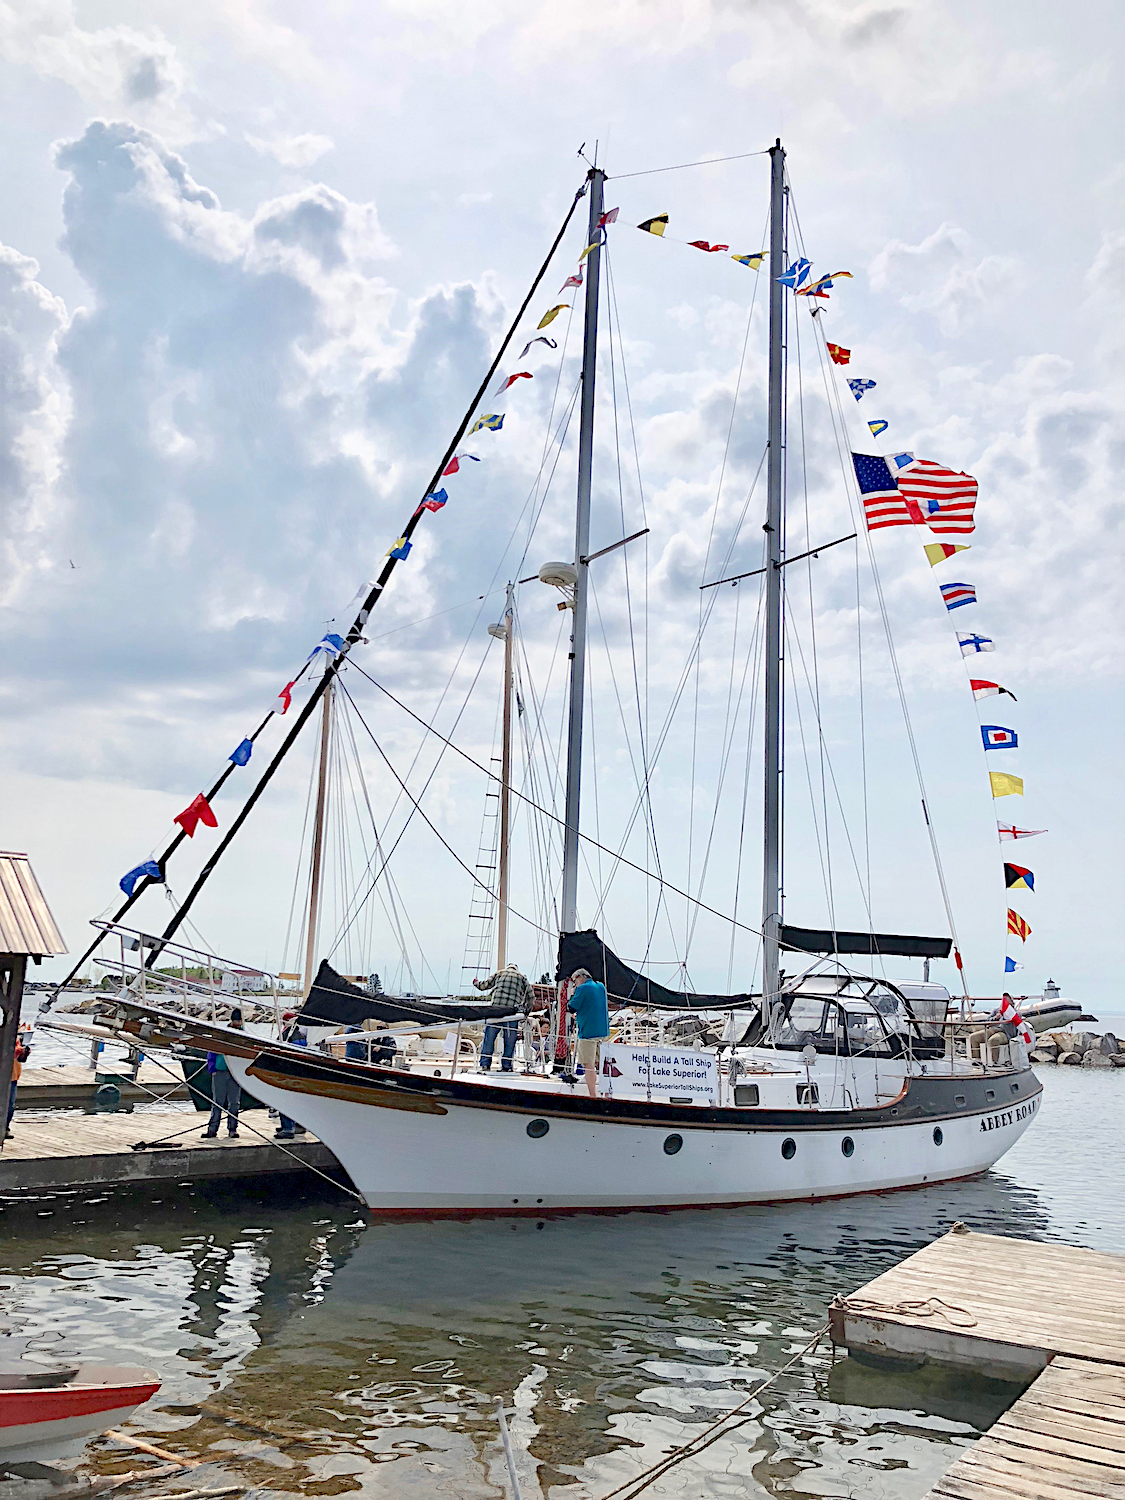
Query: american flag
column 883, row 505
column 945, row 499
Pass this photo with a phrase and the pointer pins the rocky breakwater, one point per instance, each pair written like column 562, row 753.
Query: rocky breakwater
column 1079, row 1049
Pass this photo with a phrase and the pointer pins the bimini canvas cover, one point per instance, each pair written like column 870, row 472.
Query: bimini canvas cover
column 585, row 950
column 333, row 1001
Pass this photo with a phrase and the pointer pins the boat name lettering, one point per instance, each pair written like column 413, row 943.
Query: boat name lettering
column 1009, row 1116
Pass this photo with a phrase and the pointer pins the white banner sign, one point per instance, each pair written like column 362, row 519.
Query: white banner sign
column 641, row 1072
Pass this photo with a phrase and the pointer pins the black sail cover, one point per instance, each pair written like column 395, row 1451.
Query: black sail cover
column 332, row 1001
column 585, row 950
column 896, row 944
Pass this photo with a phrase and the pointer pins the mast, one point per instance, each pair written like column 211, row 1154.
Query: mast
column 505, row 789
column 318, row 832
column 772, row 823
column 569, row 912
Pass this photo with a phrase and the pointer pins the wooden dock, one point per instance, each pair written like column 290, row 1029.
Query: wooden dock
column 74, row 1087
column 69, row 1150
column 1011, row 1309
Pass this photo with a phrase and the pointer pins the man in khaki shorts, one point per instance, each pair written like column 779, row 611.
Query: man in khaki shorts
column 591, row 1008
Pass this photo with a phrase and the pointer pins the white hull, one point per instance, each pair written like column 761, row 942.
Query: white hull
column 473, row 1157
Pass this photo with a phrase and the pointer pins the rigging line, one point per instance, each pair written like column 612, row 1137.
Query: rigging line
column 856, row 508
column 758, row 652
column 685, row 674
column 445, row 844
column 812, row 624
column 620, row 858
column 808, row 778
column 355, row 633
column 712, row 161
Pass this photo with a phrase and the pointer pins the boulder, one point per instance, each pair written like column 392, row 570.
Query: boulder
column 1118, row 1061
column 1049, row 1047
column 1093, row 1059
column 1084, row 1040
column 1070, row 1059
column 1063, row 1040
column 1048, row 1055
column 1109, row 1045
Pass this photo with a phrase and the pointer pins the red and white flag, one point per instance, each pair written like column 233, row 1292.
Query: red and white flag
column 284, row 698
column 945, row 499
column 1009, row 831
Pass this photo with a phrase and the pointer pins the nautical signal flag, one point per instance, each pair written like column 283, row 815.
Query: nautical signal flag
column 128, row 883
column 549, row 317
column 840, row 356
column 859, row 388
column 1017, row 878
column 822, row 286
column 1017, row 926
column 242, row 754
column 197, row 811
column 996, row 737
column 656, row 225
column 454, row 464
column 550, row 343
column 939, row 551
column 1004, row 784
column 972, row 644
column 401, row 549
column 284, row 698
column 609, row 217
column 576, row 279
column 331, row 645
column 753, row 261
column 1009, row 831
column 511, row 380
column 434, row 501
column 878, row 427
column 945, row 498
column 492, row 423
column 710, row 249
column 797, row 274
column 983, row 689
column 957, row 595
column 1010, row 966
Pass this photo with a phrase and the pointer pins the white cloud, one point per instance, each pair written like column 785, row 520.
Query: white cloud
column 941, row 275
column 293, row 150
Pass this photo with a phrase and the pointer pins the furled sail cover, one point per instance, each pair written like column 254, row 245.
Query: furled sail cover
column 585, row 950
column 815, row 940
column 333, row 1001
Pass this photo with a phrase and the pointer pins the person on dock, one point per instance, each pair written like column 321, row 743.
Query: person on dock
column 20, row 1054
column 590, row 1005
column 299, row 1037
column 225, row 1093
column 509, row 987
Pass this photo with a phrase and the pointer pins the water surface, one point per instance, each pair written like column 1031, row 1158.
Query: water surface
column 361, row 1356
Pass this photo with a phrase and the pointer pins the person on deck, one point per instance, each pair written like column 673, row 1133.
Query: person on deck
column 20, row 1053
column 295, row 1033
column 225, row 1093
column 590, row 1005
column 509, row 987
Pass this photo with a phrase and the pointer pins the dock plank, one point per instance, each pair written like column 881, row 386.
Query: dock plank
column 1037, row 1451
column 57, row 1151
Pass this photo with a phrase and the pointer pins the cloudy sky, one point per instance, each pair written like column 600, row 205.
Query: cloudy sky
column 252, row 267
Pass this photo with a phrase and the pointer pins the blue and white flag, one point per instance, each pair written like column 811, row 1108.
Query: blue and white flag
column 996, row 737
column 971, row 644
column 331, row 645
column 859, row 387
column 129, row 882
column 1010, row 966
column 797, row 274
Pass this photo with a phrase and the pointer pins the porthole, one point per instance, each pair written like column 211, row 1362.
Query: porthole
column 789, row 1148
column 672, row 1144
column 536, row 1129
column 990, row 1093
column 1015, row 1088
column 959, row 1100
column 847, row 1146
column 938, row 1136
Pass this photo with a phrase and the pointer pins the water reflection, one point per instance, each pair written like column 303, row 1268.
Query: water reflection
column 306, row 1353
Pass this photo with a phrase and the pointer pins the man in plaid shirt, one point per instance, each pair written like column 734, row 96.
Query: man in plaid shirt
column 509, row 987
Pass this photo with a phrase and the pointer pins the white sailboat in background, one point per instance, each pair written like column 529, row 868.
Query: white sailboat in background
column 824, row 1083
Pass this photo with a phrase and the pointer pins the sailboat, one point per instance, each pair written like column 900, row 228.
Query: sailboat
column 823, row 1083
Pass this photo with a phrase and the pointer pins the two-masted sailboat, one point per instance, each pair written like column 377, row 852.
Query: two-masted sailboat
column 825, row 1083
